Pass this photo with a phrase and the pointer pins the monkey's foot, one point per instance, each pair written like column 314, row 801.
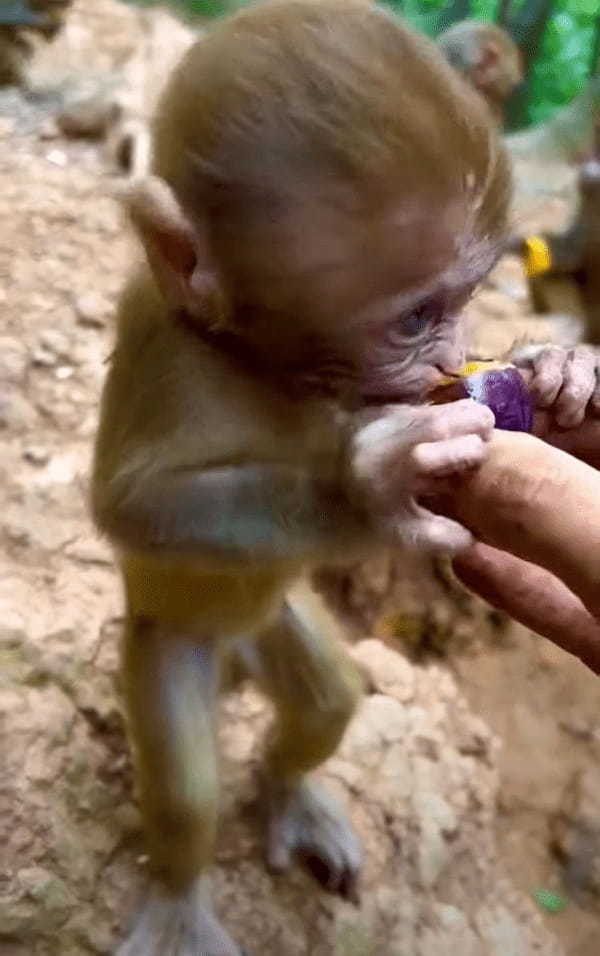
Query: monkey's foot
column 178, row 926
column 307, row 825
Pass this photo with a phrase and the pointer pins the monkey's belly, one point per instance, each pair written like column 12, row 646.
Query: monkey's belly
column 215, row 604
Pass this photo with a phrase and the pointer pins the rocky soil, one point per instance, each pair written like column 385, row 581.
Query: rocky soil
column 471, row 768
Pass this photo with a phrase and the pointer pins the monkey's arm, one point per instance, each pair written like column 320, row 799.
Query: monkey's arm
column 293, row 512
column 264, row 512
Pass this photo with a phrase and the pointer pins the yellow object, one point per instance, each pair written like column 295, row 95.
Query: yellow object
column 538, row 258
column 472, row 368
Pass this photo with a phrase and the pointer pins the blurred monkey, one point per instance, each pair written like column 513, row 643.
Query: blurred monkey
column 488, row 59
column 118, row 113
column 572, row 257
column 20, row 22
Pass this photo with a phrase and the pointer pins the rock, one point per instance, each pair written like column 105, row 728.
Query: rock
column 88, row 550
column 43, row 358
column 576, row 832
column 36, row 455
column 64, row 372
column 16, row 413
column 56, row 342
column 92, row 310
column 13, row 361
column 48, row 891
column 49, row 129
column 87, row 119
column 57, row 157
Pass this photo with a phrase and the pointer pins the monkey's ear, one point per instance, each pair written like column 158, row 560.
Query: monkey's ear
column 177, row 250
column 487, row 65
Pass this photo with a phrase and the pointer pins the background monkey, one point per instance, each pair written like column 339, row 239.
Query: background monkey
column 326, row 195
column 487, row 57
column 20, row 20
column 573, row 256
column 119, row 111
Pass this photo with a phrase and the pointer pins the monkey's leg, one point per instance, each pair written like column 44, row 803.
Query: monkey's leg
column 170, row 685
column 315, row 687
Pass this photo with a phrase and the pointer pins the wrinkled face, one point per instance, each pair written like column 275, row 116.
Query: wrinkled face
column 367, row 302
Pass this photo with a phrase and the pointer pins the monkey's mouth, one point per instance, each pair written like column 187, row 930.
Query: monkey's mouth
column 408, row 393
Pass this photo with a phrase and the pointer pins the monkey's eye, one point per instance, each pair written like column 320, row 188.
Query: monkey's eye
column 422, row 317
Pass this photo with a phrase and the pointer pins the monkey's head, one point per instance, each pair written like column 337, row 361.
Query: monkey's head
column 328, row 191
column 486, row 55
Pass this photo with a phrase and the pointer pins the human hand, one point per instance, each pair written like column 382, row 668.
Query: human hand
column 536, row 513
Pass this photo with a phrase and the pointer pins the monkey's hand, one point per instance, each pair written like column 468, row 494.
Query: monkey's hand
column 405, row 454
column 565, row 381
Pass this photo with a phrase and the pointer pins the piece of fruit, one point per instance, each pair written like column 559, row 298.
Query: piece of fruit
column 500, row 387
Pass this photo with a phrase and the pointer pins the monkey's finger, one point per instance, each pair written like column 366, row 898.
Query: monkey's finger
column 438, row 423
column 579, row 382
column 595, row 399
column 547, row 380
column 433, row 533
column 453, row 456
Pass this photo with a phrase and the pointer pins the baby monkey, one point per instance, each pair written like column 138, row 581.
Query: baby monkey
column 487, row 57
column 326, row 194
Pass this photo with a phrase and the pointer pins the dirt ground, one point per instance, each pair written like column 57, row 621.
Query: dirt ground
column 472, row 769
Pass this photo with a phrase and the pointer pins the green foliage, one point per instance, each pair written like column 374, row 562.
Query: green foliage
column 424, row 14
column 564, row 64
column 559, row 73
column 204, row 9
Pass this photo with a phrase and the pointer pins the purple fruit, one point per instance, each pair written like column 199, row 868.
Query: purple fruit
column 501, row 389
column 506, row 394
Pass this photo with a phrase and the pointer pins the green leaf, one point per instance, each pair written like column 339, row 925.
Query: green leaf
column 549, row 901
